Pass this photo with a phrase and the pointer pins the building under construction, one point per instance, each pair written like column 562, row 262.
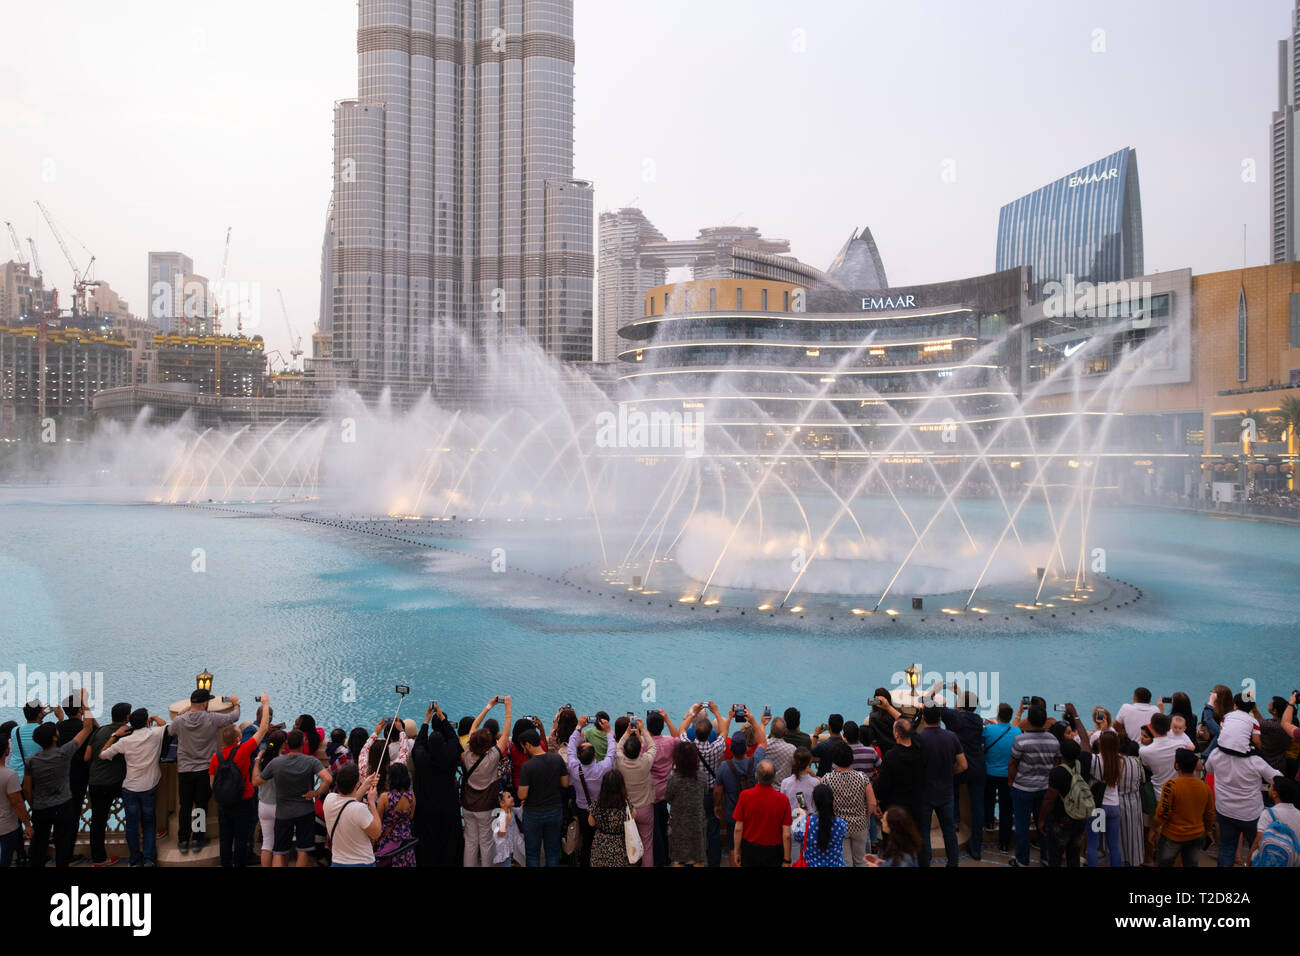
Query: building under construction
column 82, row 356
column 195, row 360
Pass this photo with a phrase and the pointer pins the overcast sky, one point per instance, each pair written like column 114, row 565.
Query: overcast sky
column 155, row 124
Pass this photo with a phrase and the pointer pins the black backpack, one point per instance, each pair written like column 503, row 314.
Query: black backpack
column 228, row 782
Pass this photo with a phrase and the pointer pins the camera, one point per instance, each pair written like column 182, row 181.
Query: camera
column 402, row 689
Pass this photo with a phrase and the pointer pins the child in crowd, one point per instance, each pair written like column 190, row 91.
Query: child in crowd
column 507, row 832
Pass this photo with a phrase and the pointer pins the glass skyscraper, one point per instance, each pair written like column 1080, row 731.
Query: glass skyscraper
column 1087, row 225
column 456, row 218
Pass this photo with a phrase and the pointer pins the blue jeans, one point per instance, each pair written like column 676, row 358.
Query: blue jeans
column 139, row 813
column 1116, row 854
column 974, row 780
column 949, row 827
column 1229, row 831
column 9, row 844
column 1024, row 806
column 542, row 827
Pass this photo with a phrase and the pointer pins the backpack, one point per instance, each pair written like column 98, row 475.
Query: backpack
column 228, row 781
column 744, row 780
column 1078, row 801
column 1278, row 845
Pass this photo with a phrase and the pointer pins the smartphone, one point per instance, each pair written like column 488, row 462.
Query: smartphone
column 225, row 699
column 799, row 797
column 647, row 715
column 767, row 711
column 738, row 711
column 433, row 705
column 1024, row 701
column 402, row 689
column 1059, row 708
column 631, row 718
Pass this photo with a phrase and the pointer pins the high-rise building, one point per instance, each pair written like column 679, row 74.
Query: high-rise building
column 1283, row 244
column 167, row 272
column 456, row 217
column 1086, row 226
column 623, row 276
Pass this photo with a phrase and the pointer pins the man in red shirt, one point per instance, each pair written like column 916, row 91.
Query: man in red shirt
column 763, row 820
column 237, row 819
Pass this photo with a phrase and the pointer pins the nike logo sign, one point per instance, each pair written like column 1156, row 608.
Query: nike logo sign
column 1069, row 350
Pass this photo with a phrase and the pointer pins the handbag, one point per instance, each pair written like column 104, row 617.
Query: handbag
column 632, row 838
column 572, row 838
column 1148, row 794
column 803, row 852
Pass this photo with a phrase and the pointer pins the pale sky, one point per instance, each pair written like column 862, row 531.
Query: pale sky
column 155, row 124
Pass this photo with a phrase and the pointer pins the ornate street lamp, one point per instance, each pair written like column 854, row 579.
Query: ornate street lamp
column 204, row 681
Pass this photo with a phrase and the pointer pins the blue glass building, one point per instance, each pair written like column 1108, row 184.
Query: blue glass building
column 1087, row 225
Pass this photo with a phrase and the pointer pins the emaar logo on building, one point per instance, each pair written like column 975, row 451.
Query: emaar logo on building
column 888, row 302
column 1084, row 180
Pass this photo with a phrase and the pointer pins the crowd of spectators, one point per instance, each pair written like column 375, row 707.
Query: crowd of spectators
column 1154, row 784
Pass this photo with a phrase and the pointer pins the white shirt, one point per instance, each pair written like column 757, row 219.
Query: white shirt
column 1238, row 784
column 510, row 844
column 1134, row 717
column 1158, row 756
column 1235, row 730
column 350, row 842
column 141, row 750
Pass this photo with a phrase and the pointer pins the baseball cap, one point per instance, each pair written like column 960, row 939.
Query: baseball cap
column 739, row 745
column 200, row 697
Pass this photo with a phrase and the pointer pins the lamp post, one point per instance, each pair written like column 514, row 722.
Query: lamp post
column 203, row 681
column 913, row 673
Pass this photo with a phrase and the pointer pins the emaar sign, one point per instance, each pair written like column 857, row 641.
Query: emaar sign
column 1084, row 180
column 870, row 303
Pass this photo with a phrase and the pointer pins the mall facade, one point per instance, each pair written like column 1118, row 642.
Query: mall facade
column 893, row 373
column 1152, row 377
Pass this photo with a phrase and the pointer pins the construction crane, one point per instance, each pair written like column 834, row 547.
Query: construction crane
column 36, row 260
column 18, row 249
column 216, row 315
column 295, row 345
column 81, row 277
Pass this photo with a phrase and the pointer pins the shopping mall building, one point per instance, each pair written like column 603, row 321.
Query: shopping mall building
column 1154, row 375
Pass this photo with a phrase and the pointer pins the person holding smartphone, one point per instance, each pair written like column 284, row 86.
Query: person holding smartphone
column 634, row 757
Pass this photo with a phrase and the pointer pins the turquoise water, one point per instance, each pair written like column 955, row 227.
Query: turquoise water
column 300, row 611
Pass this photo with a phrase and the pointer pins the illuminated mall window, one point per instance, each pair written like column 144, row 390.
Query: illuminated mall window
column 1295, row 320
column 713, row 299
column 785, row 301
column 764, row 300
column 740, row 299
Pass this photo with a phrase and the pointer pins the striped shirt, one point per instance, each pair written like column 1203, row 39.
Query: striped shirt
column 1035, row 753
column 865, row 760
